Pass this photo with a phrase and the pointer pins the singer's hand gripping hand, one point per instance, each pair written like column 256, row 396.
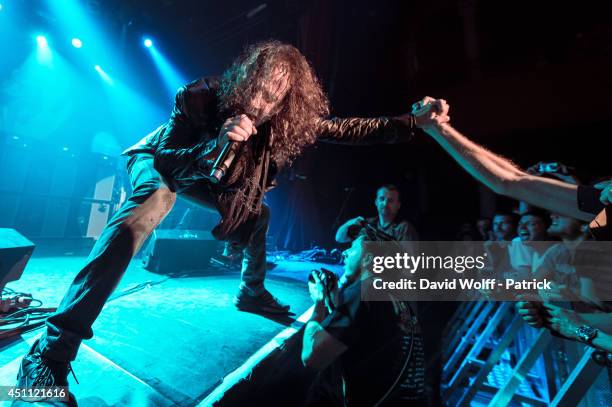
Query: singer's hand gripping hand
column 238, row 128
column 430, row 112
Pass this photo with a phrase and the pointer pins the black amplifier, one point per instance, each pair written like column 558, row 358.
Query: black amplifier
column 173, row 251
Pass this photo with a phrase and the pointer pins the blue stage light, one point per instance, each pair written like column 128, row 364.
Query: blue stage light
column 1, row 6
column 44, row 55
column 148, row 42
column 77, row 43
column 42, row 41
column 169, row 73
column 104, row 75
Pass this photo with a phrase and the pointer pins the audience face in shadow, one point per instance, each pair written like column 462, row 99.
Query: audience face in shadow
column 504, row 227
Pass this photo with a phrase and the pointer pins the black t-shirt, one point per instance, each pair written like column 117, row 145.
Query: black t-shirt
column 380, row 336
column 588, row 201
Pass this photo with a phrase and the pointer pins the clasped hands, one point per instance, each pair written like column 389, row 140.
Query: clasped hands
column 428, row 113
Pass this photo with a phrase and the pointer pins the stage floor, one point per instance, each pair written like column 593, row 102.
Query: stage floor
column 170, row 343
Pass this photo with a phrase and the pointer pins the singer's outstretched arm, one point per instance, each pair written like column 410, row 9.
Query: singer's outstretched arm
column 366, row 131
column 505, row 178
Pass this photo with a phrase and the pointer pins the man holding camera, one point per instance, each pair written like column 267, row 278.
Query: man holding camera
column 388, row 203
column 377, row 344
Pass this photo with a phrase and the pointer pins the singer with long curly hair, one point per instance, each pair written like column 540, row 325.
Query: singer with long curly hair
column 254, row 120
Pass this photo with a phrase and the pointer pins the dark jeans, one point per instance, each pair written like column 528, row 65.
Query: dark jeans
column 120, row 240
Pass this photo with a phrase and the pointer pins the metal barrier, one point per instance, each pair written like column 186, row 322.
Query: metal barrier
column 486, row 363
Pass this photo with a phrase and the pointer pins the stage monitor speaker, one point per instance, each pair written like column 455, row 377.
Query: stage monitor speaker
column 15, row 251
column 173, row 251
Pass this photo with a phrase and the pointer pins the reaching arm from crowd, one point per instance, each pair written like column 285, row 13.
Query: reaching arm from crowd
column 504, row 178
column 566, row 322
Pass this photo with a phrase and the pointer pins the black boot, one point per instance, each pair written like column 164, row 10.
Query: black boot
column 263, row 303
column 39, row 371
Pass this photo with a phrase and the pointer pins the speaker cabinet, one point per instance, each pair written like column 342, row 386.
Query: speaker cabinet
column 15, row 251
column 172, row 251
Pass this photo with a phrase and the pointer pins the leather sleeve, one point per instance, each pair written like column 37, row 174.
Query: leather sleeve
column 377, row 130
column 184, row 141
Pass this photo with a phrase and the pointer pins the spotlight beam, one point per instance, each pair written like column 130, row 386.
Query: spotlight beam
column 169, row 74
column 105, row 77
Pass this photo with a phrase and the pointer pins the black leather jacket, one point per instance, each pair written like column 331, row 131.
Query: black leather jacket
column 190, row 136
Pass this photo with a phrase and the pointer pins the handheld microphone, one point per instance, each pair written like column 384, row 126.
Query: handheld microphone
column 223, row 162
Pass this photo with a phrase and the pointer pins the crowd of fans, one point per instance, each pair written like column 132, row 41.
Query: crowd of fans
column 533, row 242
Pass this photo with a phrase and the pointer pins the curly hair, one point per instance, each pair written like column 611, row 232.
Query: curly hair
column 293, row 126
